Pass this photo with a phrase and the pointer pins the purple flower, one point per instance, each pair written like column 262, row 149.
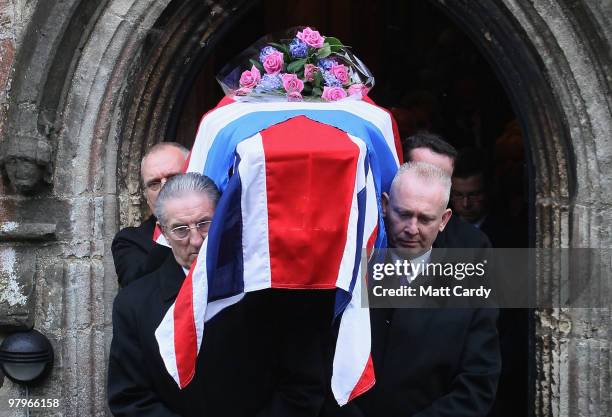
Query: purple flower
column 270, row 82
column 330, row 80
column 326, row 63
column 265, row 52
column 298, row 49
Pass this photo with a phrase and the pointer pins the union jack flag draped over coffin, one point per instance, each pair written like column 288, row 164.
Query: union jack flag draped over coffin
column 301, row 185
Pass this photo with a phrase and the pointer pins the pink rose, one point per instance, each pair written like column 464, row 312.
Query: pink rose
column 273, row 62
column 340, row 71
column 309, row 71
column 333, row 93
column 294, row 96
column 249, row 79
column 359, row 89
column 311, row 38
column 243, row 91
column 292, row 83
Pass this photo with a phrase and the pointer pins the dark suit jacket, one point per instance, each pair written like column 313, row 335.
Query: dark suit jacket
column 460, row 234
column 433, row 362
column 430, row 362
column 264, row 356
column 134, row 252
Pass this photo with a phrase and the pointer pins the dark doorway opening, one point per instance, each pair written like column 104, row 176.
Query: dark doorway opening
column 433, row 77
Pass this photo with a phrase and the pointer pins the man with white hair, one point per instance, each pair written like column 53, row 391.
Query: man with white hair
column 138, row 383
column 432, row 361
column 264, row 356
column 132, row 246
column 415, row 208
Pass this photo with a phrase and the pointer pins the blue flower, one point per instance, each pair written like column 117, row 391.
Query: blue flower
column 330, row 80
column 326, row 63
column 265, row 52
column 298, row 49
column 269, row 82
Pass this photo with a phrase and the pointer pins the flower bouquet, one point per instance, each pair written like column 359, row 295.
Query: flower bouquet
column 301, row 65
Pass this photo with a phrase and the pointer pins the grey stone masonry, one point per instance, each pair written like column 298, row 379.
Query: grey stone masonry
column 86, row 86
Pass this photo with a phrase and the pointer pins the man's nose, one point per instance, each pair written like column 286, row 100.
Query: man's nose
column 195, row 238
column 411, row 226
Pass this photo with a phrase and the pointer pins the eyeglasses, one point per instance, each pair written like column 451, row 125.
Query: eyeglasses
column 155, row 185
column 182, row 232
column 472, row 196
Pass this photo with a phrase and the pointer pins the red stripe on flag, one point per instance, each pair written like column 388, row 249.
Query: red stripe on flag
column 366, row 381
column 156, row 232
column 371, row 241
column 186, row 164
column 185, row 338
column 310, row 179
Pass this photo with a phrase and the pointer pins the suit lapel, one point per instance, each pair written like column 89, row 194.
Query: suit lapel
column 171, row 277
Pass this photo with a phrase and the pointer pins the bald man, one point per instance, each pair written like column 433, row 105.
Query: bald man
column 432, row 361
column 132, row 246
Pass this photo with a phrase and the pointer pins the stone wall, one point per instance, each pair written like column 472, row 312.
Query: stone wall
column 88, row 85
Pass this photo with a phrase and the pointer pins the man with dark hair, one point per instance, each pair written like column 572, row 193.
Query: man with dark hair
column 469, row 194
column 433, row 149
column 131, row 246
column 470, row 199
column 432, row 143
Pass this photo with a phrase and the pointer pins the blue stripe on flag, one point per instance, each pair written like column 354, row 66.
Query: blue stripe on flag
column 342, row 297
column 220, row 156
column 225, row 266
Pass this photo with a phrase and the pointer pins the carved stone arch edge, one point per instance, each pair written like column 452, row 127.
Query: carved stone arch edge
column 554, row 68
column 100, row 137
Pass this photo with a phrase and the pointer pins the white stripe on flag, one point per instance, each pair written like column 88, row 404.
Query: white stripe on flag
column 215, row 307
column 347, row 264
column 352, row 347
column 161, row 240
column 216, row 120
column 372, row 209
column 254, row 206
column 164, row 334
column 199, row 279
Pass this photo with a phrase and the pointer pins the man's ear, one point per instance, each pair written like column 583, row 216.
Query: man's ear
column 385, row 204
column 445, row 218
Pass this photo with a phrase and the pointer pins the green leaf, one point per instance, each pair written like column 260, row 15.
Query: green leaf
column 257, row 64
column 296, row 65
column 280, row 47
column 318, row 79
column 331, row 41
column 307, row 89
column 317, row 91
column 324, row 51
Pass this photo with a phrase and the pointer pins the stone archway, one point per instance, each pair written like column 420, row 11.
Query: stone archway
column 100, row 87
